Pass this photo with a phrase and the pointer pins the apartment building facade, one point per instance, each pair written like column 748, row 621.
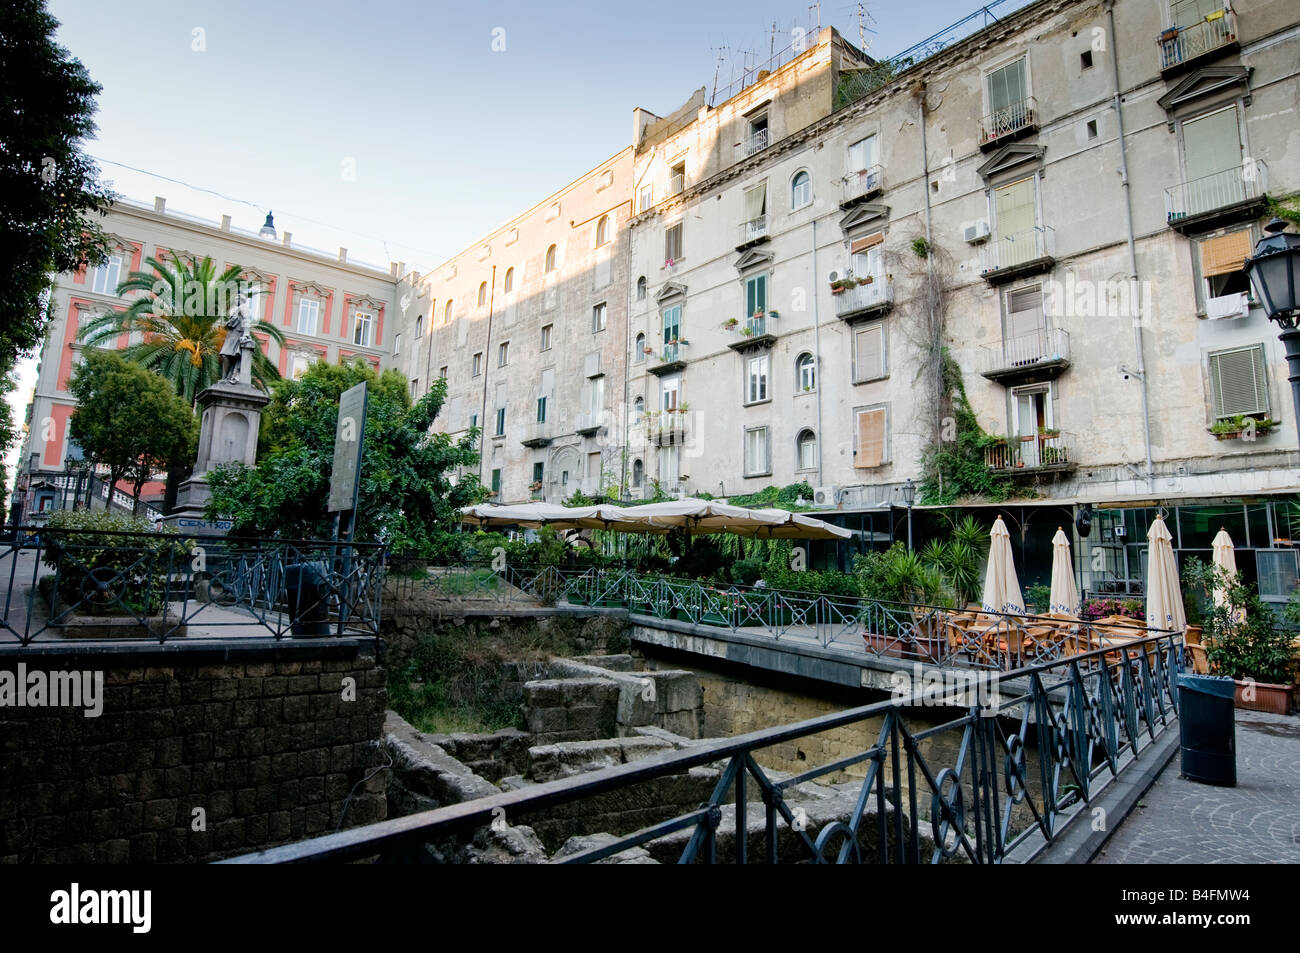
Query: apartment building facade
column 328, row 308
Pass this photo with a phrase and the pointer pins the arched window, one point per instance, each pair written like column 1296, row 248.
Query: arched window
column 805, row 372
column 602, row 231
column 550, row 259
column 638, row 349
column 482, row 293
column 800, row 189
column 419, row 326
column 446, row 313
column 638, row 472
column 510, row 280
column 807, row 444
column 638, row 406
column 640, row 288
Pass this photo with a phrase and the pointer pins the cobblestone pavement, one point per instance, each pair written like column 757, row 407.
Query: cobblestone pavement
column 1257, row 822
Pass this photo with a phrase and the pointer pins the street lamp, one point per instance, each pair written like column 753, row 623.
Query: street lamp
column 909, row 497
column 1273, row 277
column 75, row 464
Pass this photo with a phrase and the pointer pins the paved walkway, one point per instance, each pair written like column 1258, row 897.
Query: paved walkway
column 1256, row 822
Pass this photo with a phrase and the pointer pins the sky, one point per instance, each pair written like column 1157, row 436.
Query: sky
column 403, row 131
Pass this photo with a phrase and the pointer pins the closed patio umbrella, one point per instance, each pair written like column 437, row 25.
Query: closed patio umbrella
column 1065, row 594
column 1225, row 559
column 1001, row 587
column 1164, row 593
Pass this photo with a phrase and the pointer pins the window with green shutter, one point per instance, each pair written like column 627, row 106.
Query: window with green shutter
column 1238, row 383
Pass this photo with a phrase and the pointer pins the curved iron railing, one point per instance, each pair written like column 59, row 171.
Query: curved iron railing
column 1005, row 775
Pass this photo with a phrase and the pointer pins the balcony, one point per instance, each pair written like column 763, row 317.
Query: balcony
column 588, row 424
column 1007, row 257
column 1046, row 452
column 1027, row 359
column 756, row 142
column 861, row 185
column 668, row 429
column 1235, row 194
column 756, row 331
column 676, row 183
column 752, row 232
column 1181, row 48
column 668, row 360
column 1009, row 123
column 538, row 434
column 864, row 301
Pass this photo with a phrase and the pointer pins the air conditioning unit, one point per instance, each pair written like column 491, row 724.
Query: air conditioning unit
column 977, row 234
column 826, row 496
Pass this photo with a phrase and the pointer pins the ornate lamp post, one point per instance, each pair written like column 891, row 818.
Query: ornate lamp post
column 909, row 497
column 75, row 464
column 1275, row 276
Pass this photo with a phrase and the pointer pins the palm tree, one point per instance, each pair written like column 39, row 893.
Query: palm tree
column 181, row 317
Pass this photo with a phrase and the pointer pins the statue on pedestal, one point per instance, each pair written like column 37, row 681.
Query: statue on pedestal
column 237, row 349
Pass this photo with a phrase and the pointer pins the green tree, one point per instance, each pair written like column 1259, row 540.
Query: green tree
column 48, row 187
column 128, row 420
column 181, row 316
column 407, row 490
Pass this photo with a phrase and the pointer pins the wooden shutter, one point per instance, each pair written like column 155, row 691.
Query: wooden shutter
column 869, row 352
column 871, row 439
column 1237, row 381
column 1225, row 254
column 862, row 244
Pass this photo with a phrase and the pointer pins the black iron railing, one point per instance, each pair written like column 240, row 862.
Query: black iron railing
column 95, row 584
column 1006, row 775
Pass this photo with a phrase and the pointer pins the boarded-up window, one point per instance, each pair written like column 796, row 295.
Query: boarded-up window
column 1238, row 384
column 870, row 452
column 1225, row 254
column 869, row 353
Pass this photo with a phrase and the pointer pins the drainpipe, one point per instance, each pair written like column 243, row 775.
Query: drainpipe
column 817, row 362
column 929, row 265
column 624, row 489
column 1132, row 245
column 487, row 363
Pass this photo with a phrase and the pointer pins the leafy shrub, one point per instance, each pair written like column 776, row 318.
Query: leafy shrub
column 1040, row 597
column 101, row 569
column 745, row 572
column 1242, row 639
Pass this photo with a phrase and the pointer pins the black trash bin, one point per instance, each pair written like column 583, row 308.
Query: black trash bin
column 307, row 592
column 1207, row 729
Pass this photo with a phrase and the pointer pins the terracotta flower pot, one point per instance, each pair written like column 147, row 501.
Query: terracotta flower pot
column 1267, row 697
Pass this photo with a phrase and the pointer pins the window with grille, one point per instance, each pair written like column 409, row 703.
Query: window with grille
column 1238, row 382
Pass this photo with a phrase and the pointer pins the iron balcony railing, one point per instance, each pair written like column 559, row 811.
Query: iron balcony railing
column 877, row 292
column 1031, row 452
column 587, row 423
column 1023, row 759
column 754, row 229
column 1241, row 183
column 537, row 433
column 755, row 142
column 151, row 587
column 668, row 428
column 676, row 183
column 758, row 325
column 1025, row 351
column 671, row 353
column 1009, row 120
column 1178, row 46
column 1009, row 251
column 861, row 183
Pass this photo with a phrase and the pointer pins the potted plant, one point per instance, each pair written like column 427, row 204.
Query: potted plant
column 867, row 280
column 1048, row 432
column 730, row 323
column 683, row 407
column 747, row 330
column 1169, row 33
column 535, row 485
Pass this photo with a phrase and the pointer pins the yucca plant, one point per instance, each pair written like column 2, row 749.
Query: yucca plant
column 181, row 316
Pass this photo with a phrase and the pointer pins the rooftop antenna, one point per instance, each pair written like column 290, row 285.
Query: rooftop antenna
column 717, row 66
column 771, row 43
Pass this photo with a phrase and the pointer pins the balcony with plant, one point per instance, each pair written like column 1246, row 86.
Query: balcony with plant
column 1243, row 426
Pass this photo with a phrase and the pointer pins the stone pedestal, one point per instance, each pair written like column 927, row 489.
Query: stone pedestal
column 232, row 413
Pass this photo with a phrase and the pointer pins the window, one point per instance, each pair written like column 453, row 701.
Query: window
column 596, row 396
column 800, row 190
column 866, row 254
column 673, row 243
column 539, row 471
column 676, row 178
column 647, row 198
column 1226, row 286
column 757, row 462
column 363, row 328
column 477, row 364
column 256, row 301
column 501, row 423
column 510, row 280
column 298, row 365
column 473, row 421
column 415, row 387
column 1008, row 87
column 397, row 343
column 419, row 327
column 1025, row 316
column 447, row 313
column 1212, row 145
column 442, row 372
column 602, row 231
column 1085, row 59
column 550, row 259
column 871, row 439
column 864, row 154
column 757, row 134
column 503, row 354
column 670, row 390
column 756, row 296
column 1092, row 129
column 1015, row 209
column 104, row 278
column 638, row 472
column 482, row 293
column 806, row 445
column 756, row 206
column 756, row 379
column 546, row 336
column 309, row 316
column 640, row 288
column 1238, row 383
column 598, row 314
column 541, row 409
column 638, row 349
column 806, row 372
column 672, row 331
column 869, row 353
column 496, row 481
column 638, row 406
